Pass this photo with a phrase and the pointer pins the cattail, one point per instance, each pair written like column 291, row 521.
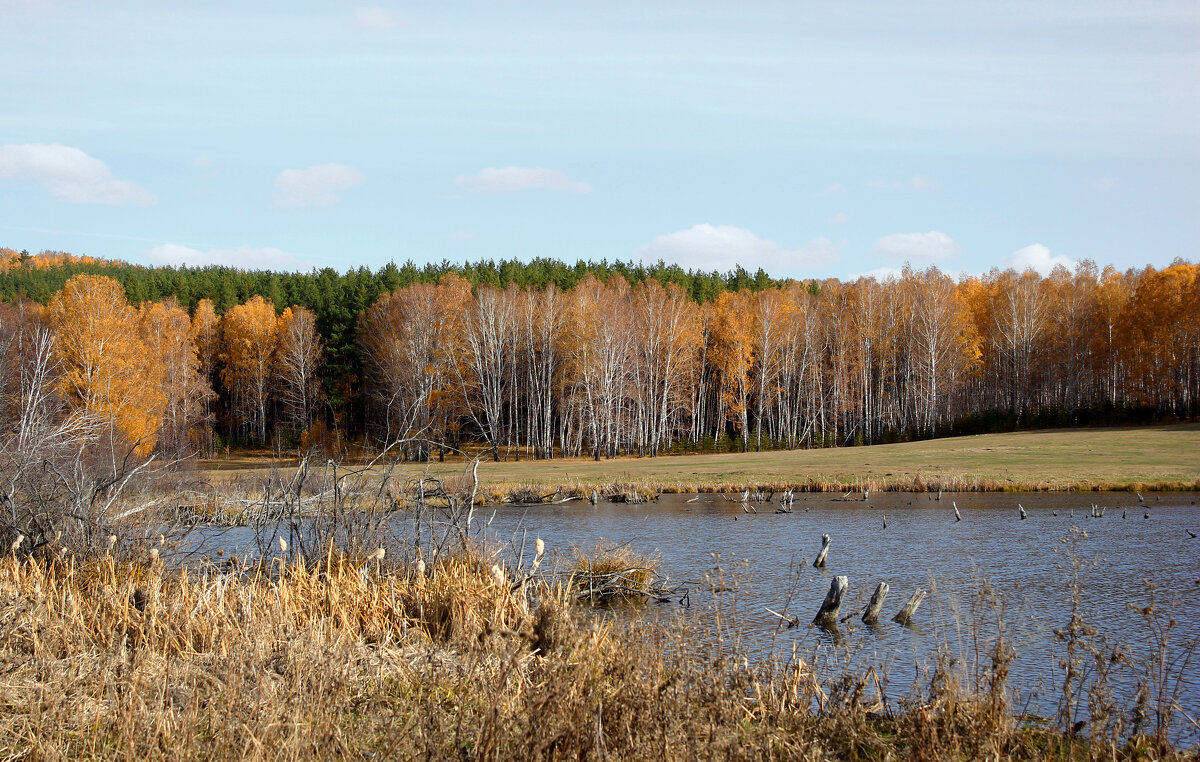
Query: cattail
column 378, row 554
column 420, row 567
column 498, row 575
column 282, row 545
column 112, row 540
column 17, row 543
column 540, row 547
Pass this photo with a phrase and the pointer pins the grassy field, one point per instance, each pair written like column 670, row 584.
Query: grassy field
column 1146, row 458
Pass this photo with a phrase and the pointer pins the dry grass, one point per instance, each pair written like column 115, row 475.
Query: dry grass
column 613, row 571
column 1146, row 458
column 348, row 659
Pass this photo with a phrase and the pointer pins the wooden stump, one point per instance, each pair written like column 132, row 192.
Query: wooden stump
column 1022, row 508
column 957, row 515
column 820, row 562
column 871, row 615
column 906, row 614
column 827, row 615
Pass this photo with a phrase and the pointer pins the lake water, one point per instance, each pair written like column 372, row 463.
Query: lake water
column 768, row 557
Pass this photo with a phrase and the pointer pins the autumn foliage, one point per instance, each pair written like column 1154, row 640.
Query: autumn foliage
column 107, row 367
column 610, row 366
column 607, row 368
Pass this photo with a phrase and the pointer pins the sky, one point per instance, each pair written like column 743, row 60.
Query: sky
column 810, row 139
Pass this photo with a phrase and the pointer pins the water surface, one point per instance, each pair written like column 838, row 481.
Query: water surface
column 768, row 556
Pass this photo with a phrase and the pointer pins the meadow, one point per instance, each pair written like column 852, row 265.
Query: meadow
column 1104, row 459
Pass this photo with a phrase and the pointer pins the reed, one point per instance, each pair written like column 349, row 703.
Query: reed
column 349, row 657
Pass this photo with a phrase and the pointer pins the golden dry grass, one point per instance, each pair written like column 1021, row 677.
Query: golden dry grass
column 347, row 659
column 1145, row 458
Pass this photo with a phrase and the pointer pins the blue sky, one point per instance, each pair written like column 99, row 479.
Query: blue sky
column 815, row 140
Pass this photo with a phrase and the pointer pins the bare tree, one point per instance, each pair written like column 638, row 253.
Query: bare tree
column 299, row 357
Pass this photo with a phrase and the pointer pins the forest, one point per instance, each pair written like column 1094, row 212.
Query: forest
column 545, row 359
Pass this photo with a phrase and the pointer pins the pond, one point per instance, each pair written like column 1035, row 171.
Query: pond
column 767, row 557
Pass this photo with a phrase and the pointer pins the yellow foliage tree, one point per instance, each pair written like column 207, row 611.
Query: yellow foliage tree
column 249, row 337
column 107, row 367
column 732, row 354
column 167, row 332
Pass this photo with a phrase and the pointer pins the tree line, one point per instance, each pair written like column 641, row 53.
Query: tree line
column 545, row 359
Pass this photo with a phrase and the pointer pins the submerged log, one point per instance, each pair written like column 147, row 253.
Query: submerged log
column 906, row 614
column 820, row 562
column 871, row 615
column 827, row 614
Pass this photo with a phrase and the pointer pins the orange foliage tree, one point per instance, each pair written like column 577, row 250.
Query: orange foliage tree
column 249, row 337
column 107, row 368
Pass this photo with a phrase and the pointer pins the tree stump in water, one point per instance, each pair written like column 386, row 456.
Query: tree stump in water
column 957, row 516
column 820, row 562
column 871, row 615
column 906, row 614
column 827, row 615
column 1022, row 511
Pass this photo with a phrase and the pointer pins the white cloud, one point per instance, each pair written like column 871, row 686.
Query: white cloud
column 878, row 184
column 916, row 247
column 920, row 182
column 376, row 20
column 841, row 218
column 708, row 247
column 459, row 236
column 831, row 190
column 521, row 178
column 243, row 257
column 1105, row 184
column 880, row 274
column 316, row 185
column 203, row 161
column 70, row 174
column 1037, row 257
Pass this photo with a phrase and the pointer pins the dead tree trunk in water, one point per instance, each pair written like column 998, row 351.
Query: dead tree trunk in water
column 906, row 614
column 820, row 562
column 871, row 615
column 827, row 615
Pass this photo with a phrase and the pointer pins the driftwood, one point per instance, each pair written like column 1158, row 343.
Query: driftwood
column 789, row 621
column 820, row 562
column 906, row 614
column 827, row 614
column 871, row 615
